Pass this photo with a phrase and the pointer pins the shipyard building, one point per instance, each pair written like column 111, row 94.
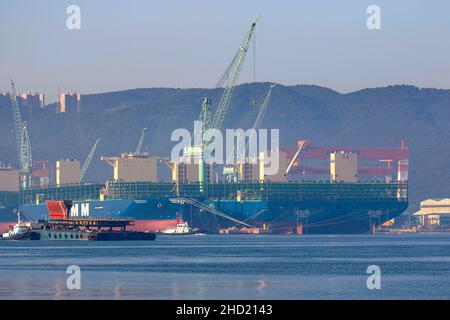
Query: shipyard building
column 9, row 178
column 434, row 212
column 67, row 171
column 132, row 167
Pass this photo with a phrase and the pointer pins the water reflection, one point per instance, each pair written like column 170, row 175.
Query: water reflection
column 259, row 267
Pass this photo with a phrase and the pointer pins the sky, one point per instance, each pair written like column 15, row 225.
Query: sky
column 186, row 44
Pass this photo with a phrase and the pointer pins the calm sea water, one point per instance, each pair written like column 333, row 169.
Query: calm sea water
column 415, row 266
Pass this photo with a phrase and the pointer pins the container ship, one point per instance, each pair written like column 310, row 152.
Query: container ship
column 338, row 205
column 250, row 197
column 295, row 207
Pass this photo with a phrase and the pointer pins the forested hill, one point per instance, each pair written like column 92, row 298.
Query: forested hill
column 369, row 117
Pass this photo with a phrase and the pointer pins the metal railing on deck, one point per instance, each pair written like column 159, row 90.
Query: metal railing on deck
column 73, row 191
column 309, row 190
column 262, row 191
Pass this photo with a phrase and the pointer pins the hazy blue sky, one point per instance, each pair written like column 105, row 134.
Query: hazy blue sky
column 129, row 44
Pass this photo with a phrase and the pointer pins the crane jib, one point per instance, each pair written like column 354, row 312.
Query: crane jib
column 233, row 75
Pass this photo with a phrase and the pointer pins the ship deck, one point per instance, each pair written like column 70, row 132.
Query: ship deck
column 267, row 191
column 89, row 222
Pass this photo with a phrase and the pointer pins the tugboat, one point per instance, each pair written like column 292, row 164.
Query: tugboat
column 61, row 227
column 182, row 228
column 20, row 231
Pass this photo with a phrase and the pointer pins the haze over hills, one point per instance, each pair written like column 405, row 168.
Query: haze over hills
column 375, row 117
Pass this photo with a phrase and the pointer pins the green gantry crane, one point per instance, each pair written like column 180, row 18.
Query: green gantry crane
column 230, row 76
column 22, row 141
column 231, row 170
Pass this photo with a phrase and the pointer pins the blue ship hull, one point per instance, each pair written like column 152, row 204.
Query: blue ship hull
column 156, row 214
column 319, row 217
column 150, row 214
column 8, row 216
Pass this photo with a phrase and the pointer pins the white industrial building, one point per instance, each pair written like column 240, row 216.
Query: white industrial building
column 434, row 212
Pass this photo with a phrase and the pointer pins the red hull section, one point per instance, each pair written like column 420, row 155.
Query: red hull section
column 6, row 226
column 57, row 209
column 153, row 225
column 139, row 225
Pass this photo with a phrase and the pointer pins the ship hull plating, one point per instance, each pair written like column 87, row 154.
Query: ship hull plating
column 315, row 217
column 149, row 214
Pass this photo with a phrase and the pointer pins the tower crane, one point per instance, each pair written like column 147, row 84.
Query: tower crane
column 88, row 160
column 230, row 76
column 22, row 141
column 141, row 141
column 231, row 170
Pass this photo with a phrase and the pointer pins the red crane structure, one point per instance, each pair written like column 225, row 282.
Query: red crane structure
column 391, row 156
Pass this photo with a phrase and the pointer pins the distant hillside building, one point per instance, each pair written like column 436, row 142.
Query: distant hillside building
column 4, row 99
column 69, row 103
column 32, row 100
column 28, row 100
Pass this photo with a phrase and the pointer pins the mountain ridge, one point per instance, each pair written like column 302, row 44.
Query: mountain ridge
column 376, row 117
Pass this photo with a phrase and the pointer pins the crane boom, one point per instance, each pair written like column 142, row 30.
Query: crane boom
column 209, row 122
column 262, row 112
column 22, row 140
column 231, row 170
column 141, row 141
column 301, row 145
column 263, row 109
column 88, row 160
column 232, row 75
column 205, row 117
